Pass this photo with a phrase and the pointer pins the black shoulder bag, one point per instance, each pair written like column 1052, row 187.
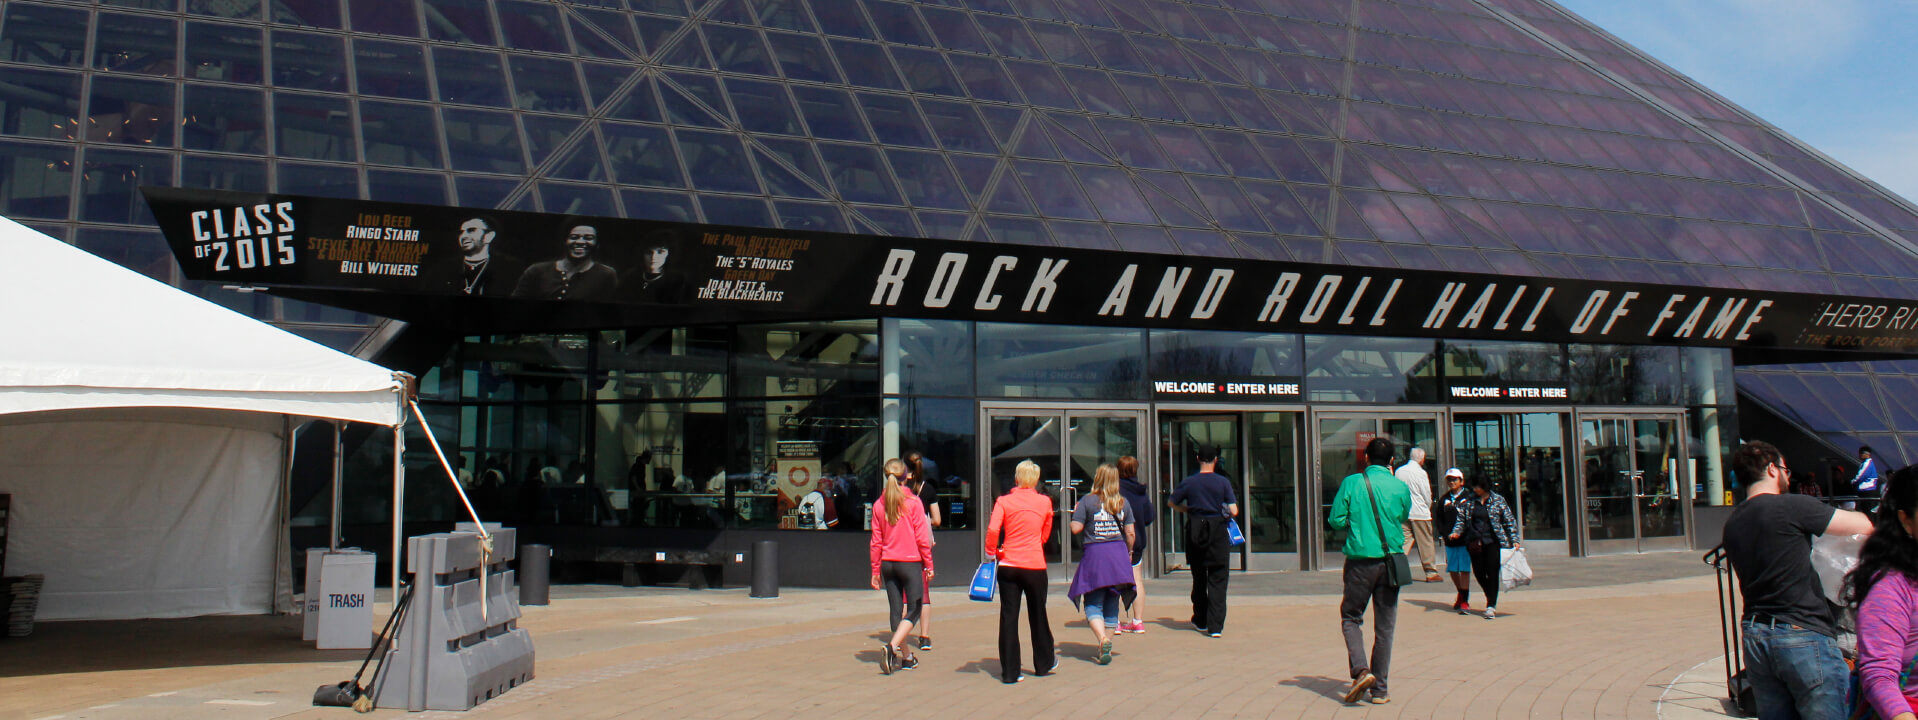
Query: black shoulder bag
column 1395, row 558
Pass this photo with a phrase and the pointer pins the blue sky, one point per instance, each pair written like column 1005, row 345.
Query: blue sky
column 1840, row 75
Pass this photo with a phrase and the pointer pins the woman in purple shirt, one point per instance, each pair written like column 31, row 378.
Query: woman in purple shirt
column 1884, row 588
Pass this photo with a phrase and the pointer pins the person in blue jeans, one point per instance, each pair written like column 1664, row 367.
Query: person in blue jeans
column 1791, row 660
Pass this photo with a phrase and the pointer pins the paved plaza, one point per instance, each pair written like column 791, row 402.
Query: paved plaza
column 1615, row 637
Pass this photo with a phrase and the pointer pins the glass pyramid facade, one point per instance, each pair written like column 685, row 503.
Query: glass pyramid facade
column 1499, row 136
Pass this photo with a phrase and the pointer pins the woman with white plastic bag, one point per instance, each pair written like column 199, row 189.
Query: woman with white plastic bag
column 1514, row 570
column 1487, row 526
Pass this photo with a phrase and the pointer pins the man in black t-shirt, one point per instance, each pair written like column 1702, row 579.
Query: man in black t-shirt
column 1792, row 661
column 1207, row 498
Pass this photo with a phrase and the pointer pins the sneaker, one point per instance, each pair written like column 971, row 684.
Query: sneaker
column 889, row 661
column 1433, row 577
column 1138, row 627
column 1049, row 668
column 1212, row 634
column 925, row 643
column 909, row 663
column 1379, row 700
column 1105, row 653
column 1015, row 679
column 1491, row 613
column 1360, row 684
column 1464, row 608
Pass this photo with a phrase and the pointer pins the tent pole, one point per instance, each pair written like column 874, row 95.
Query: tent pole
column 399, row 503
column 282, row 540
column 339, row 449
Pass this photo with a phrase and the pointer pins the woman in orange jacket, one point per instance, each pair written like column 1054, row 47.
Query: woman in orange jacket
column 1024, row 516
column 901, row 562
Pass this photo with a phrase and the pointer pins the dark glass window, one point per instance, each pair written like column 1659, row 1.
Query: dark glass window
column 895, row 120
column 313, row 127
column 955, row 30
column 985, row 79
column 530, row 26
column 546, row 85
column 36, row 181
column 470, row 77
column 1087, row 235
column 957, row 127
column 1236, row 151
column 400, row 134
column 1209, row 354
column 949, row 226
column 1112, row 191
column 866, row 64
column 131, row 111
column 1182, row 144
column 329, row 181
column 1281, row 211
column 1010, row 37
column 1050, row 361
column 1371, row 369
column 859, row 174
column 680, row 105
column 1625, row 375
column 573, row 199
column 603, row 83
column 406, row 187
column 386, row 17
column 803, row 57
column 309, row 61
column 223, row 119
column 110, row 182
column 135, row 43
column 821, row 217
column 784, row 14
column 1041, row 84
column 1131, row 144
column 739, row 50
column 306, row 13
column 1096, row 91
column 44, row 35
column 464, row 21
column 1054, row 190
column 656, row 205
column 232, row 53
column 735, row 210
column 480, row 141
column 830, row 113
column 928, row 181
column 926, row 72
column 41, row 104
column 898, row 23
column 143, row 251
column 764, row 107
column 1472, row 361
column 1149, row 97
column 841, row 18
column 483, row 192
column 223, row 173
column 717, row 161
column 391, row 69
column 934, row 357
column 590, row 35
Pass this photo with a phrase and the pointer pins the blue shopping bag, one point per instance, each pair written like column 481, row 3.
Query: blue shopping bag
column 984, row 581
column 1232, row 533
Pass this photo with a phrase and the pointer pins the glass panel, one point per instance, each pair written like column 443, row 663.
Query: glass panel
column 717, row 161
column 110, row 182
column 894, row 120
column 484, row 192
column 44, row 35
column 1272, row 483
column 135, row 43
column 1112, row 191
column 222, row 173
column 143, row 251
column 955, row 30
column 1625, row 375
column 820, row 217
column 654, row 205
column 331, row 181
column 1504, row 362
column 859, row 174
column 803, row 57
column 1341, row 454
column 739, row 50
column 945, row 430
column 36, row 181
column 386, row 17
column 464, row 21
column 313, row 127
column 572, row 199
column 830, row 114
column 40, row 104
column 307, row 61
column 530, row 26
column 797, row 359
column 1041, row 361
column 985, row 79
column 1020, row 438
column 406, row 187
column 928, row 180
column 1363, row 369
column 1091, row 441
column 1659, row 457
column 546, row 85
column 1041, row 85
column 653, row 459
column 1541, row 472
column 897, row 23
column 391, row 69
column 1054, row 191
column 866, row 64
column 735, row 210
column 764, row 107
column 1605, row 452
column 483, row 141
column 224, row 52
column 400, row 134
column 470, row 77
column 130, row 111
column 926, row 72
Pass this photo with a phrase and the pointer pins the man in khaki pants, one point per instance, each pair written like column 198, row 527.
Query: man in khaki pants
column 1412, row 473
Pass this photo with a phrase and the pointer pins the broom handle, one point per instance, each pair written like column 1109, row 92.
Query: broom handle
column 391, row 622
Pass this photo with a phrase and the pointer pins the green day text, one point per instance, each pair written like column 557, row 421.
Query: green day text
column 245, row 237
column 1016, row 285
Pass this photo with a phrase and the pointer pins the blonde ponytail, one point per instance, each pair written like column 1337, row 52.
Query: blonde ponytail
column 894, row 497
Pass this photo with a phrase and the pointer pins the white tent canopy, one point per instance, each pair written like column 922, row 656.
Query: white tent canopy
column 142, row 439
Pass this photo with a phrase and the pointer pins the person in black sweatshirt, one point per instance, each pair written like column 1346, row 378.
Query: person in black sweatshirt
column 1132, row 618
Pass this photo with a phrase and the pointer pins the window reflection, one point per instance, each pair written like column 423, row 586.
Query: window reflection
column 314, row 127
column 309, row 61
column 1362, row 369
column 44, row 35
column 134, row 43
column 40, row 104
column 224, row 52
column 1045, row 361
column 131, row 111
column 110, row 182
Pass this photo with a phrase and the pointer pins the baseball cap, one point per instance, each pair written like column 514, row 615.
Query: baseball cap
column 1454, row 472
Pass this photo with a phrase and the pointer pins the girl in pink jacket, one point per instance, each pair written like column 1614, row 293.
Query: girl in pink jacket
column 901, row 562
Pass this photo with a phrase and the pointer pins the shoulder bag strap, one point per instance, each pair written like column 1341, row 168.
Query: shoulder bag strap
column 1377, row 516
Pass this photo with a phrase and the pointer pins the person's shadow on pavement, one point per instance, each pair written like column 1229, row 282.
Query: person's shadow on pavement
column 1431, row 605
column 1330, row 687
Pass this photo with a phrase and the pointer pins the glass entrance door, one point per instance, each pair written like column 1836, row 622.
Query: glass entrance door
column 1342, row 438
column 1068, row 445
column 1523, row 454
column 1258, row 452
column 1632, row 470
column 1180, row 435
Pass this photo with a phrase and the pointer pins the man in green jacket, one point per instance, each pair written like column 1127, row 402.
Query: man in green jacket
column 1371, row 507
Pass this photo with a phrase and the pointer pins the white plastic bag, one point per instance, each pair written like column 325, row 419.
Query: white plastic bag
column 1513, row 569
column 1833, row 557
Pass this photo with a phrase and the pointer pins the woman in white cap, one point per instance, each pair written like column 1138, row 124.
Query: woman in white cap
column 1458, row 561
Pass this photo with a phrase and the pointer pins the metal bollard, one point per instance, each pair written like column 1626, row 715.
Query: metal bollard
column 535, row 574
column 765, row 569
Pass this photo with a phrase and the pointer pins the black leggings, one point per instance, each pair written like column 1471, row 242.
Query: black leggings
column 905, row 590
column 1485, row 564
column 1013, row 583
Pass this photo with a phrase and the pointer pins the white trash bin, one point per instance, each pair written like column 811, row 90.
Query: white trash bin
column 310, row 607
column 345, row 600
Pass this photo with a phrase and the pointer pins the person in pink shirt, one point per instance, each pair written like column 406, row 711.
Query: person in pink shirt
column 1884, row 589
column 901, row 562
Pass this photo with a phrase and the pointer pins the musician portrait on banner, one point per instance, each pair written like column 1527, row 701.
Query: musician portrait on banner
column 656, row 282
column 482, row 268
column 576, row 274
